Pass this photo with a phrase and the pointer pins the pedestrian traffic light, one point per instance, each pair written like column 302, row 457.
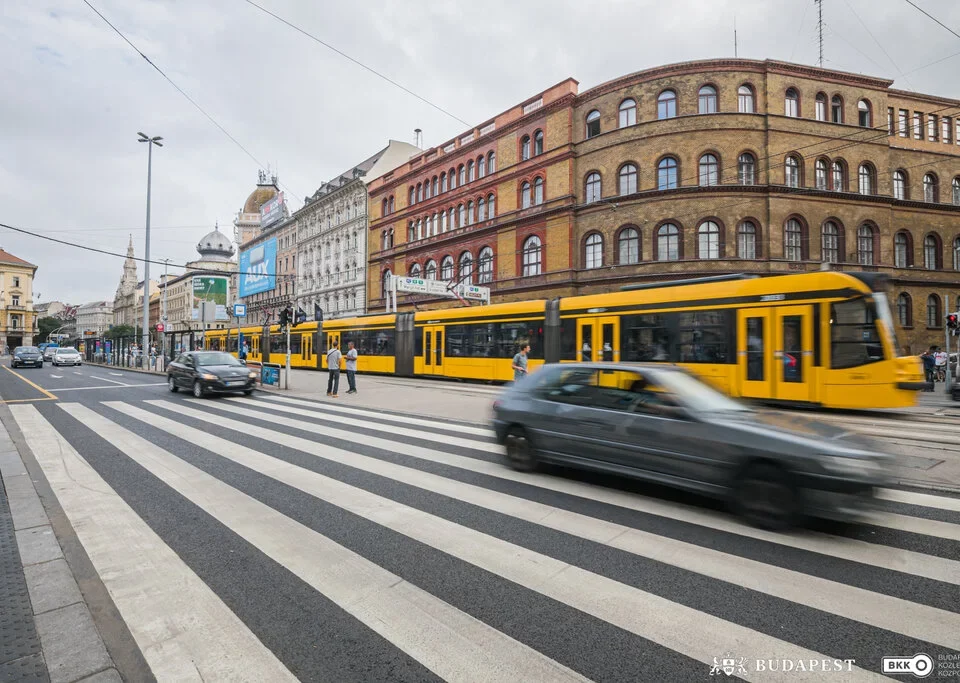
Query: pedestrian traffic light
column 317, row 313
column 284, row 317
column 300, row 317
column 953, row 322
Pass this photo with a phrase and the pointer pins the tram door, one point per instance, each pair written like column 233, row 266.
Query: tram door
column 432, row 350
column 306, row 348
column 255, row 347
column 598, row 339
column 755, row 353
column 332, row 338
column 793, row 353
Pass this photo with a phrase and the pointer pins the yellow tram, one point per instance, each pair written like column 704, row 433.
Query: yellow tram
column 824, row 338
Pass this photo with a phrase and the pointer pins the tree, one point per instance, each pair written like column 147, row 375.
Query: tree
column 47, row 326
column 118, row 331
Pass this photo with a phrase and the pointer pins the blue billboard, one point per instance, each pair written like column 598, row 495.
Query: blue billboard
column 258, row 268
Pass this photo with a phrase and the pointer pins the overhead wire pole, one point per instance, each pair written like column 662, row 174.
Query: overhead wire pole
column 145, row 347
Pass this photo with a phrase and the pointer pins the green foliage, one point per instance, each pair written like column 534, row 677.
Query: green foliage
column 47, row 325
column 118, row 331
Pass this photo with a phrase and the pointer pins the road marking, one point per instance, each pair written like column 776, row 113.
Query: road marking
column 924, row 499
column 907, row 561
column 28, row 400
column 113, row 386
column 453, row 644
column 107, row 379
column 117, row 374
column 32, row 384
column 57, row 376
column 77, row 373
column 183, row 628
column 851, row 602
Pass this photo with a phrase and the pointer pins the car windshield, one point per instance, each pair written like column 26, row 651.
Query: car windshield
column 696, row 395
column 67, row 351
column 215, row 358
column 26, row 349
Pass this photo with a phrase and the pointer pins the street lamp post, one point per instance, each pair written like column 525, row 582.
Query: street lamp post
column 144, row 349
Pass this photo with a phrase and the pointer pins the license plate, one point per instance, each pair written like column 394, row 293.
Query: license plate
column 235, row 384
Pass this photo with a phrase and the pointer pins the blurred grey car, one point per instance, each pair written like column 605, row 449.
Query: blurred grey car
column 662, row 424
column 67, row 355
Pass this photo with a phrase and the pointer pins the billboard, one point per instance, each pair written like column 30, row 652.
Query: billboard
column 214, row 288
column 258, row 268
column 271, row 211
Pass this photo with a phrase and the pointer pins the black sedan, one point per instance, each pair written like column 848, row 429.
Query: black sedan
column 24, row 356
column 662, row 424
column 213, row 372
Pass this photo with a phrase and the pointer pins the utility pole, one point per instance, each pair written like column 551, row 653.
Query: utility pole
column 294, row 311
column 163, row 336
column 820, row 27
column 946, row 343
column 144, row 349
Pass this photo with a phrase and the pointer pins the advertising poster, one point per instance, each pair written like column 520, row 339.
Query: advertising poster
column 213, row 288
column 258, row 268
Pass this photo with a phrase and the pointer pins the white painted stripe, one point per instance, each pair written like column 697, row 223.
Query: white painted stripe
column 186, row 633
column 906, row 561
column 367, row 424
column 113, row 386
column 923, row 499
column 107, row 379
column 57, row 376
column 915, row 525
column 380, row 417
column 451, row 643
column 117, row 374
column 77, row 373
column 696, row 634
column 879, row 610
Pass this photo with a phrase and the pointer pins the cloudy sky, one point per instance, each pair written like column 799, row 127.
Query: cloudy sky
column 73, row 95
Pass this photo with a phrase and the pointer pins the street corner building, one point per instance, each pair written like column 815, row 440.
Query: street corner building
column 18, row 320
column 698, row 168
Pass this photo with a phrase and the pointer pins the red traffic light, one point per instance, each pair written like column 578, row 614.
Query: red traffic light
column 159, row 327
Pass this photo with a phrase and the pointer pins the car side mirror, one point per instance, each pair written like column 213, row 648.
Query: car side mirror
column 243, row 362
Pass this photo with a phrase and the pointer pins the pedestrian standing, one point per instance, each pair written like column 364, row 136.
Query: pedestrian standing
column 352, row 367
column 520, row 363
column 333, row 369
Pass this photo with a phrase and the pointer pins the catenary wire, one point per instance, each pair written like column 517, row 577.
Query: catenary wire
column 912, row 4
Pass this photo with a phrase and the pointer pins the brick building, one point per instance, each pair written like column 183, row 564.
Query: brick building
column 708, row 167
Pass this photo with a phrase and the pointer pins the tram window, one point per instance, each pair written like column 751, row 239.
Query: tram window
column 644, row 338
column 322, row 346
column 232, row 344
column 483, row 339
column 513, row 334
column 457, row 341
column 278, row 343
column 369, row 342
column 418, row 333
column 755, row 349
column 705, row 336
column 854, row 335
column 792, row 349
column 568, row 339
column 494, row 340
column 295, row 344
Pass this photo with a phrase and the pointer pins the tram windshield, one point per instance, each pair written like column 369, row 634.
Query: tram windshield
column 886, row 315
column 854, row 333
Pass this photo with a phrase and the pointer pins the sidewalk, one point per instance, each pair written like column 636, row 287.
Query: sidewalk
column 47, row 632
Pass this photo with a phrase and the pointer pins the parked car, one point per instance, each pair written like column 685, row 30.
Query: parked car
column 26, row 356
column 662, row 424
column 67, row 355
column 206, row 372
column 48, row 352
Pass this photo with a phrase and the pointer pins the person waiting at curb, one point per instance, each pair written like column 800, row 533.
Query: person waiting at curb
column 351, row 368
column 333, row 369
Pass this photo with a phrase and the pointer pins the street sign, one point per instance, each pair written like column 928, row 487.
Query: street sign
column 240, row 310
column 476, row 293
column 422, row 286
column 159, row 327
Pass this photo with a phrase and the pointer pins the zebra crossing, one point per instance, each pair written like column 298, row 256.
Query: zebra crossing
column 283, row 539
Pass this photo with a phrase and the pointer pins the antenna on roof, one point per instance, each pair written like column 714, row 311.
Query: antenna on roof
column 819, row 4
column 735, row 36
column 418, row 138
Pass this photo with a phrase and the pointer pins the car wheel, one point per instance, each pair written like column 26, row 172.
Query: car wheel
column 766, row 499
column 171, row 384
column 197, row 389
column 247, row 392
column 520, row 452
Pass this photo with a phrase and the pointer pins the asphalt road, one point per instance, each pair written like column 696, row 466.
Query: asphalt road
column 269, row 538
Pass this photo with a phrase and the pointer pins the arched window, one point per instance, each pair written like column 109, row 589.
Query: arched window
column 933, row 311
column 868, row 182
column 667, row 174
column 593, row 124
column 931, row 188
column 461, row 175
column 747, row 240
column 471, row 170
column 436, row 186
column 668, row 242
column 451, row 218
column 481, row 167
column 864, row 114
column 956, row 191
column 532, row 256
column 384, row 285
column 899, row 185
column 525, row 196
column 462, row 217
column 525, row 148
column 537, row 191
column 708, row 240
column 593, row 187
column 667, row 104
column 428, row 224
column 956, row 256
column 383, row 207
column 628, row 246
column 485, row 266
column 593, row 251
column 932, row 258
column 452, row 175
column 481, row 209
column 836, row 109
column 492, row 162
column 466, row 268
column 415, row 270
column 444, row 226
column 747, row 169
column 905, row 310
column 412, row 199
column 628, row 179
column 820, row 174
column 492, row 205
column 707, row 100
column 830, row 243
column 745, row 99
column 419, row 193
column 709, row 170
column 430, row 272
column 470, row 213
column 443, row 181
column 839, row 176
column 446, row 268
column 821, row 113
column 793, row 242
column 791, row 171
column 538, row 143
column 865, row 239
column 411, row 231
column 791, row 103
column 628, row 113
column 902, row 251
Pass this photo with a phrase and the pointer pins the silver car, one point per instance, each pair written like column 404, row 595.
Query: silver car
column 67, row 355
column 662, row 424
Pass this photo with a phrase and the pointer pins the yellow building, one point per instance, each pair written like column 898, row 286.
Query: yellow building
column 18, row 322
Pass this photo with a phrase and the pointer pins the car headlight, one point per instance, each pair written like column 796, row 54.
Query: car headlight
column 252, row 375
column 844, row 465
column 208, row 376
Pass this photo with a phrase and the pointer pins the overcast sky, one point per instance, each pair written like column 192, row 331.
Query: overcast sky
column 73, row 95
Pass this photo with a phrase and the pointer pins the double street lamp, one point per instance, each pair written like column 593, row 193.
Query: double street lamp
column 146, row 252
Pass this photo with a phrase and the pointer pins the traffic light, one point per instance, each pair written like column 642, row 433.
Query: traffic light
column 953, row 322
column 300, row 317
column 284, row 317
column 317, row 313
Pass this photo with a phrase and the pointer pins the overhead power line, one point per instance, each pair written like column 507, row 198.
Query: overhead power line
column 912, row 4
column 357, row 62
